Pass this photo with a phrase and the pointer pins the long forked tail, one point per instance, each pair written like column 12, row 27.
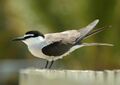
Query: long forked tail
column 94, row 32
column 97, row 44
column 88, row 30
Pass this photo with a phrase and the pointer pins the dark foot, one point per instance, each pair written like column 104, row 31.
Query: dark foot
column 51, row 64
column 46, row 64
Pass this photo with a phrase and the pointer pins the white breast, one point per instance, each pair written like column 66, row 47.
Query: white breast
column 37, row 52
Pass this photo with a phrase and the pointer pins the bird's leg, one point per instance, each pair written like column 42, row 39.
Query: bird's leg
column 46, row 64
column 51, row 64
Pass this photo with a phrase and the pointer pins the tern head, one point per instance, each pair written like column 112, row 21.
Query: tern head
column 31, row 37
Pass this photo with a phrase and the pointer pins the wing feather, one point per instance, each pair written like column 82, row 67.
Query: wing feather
column 60, row 43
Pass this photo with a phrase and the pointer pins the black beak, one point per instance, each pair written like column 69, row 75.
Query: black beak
column 18, row 39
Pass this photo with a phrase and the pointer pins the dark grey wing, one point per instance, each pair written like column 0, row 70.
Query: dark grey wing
column 56, row 49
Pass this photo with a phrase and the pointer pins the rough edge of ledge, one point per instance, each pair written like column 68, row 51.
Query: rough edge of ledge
column 69, row 77
column 61, row 70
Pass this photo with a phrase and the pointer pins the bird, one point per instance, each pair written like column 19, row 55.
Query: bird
column 54, row 46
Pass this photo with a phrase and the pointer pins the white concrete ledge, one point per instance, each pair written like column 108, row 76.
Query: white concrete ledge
column 69, row 77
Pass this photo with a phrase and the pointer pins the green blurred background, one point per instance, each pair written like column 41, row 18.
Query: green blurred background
column 19, row 16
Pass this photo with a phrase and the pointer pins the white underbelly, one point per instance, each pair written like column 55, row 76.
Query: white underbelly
column 37, row 52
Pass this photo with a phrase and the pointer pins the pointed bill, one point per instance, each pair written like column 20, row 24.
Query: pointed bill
column 18, row 38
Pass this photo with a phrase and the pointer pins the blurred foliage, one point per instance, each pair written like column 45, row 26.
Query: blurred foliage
column 19, row 16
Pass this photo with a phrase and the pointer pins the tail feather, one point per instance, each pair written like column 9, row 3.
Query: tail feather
column 84, row 31
column 97, row 44
column 87, row 31
column 94, row 32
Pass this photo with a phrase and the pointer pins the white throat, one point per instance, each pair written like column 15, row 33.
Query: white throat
column 35, row 41
column 35, row 45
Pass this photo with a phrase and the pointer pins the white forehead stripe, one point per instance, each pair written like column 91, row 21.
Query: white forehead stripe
column 28, row 35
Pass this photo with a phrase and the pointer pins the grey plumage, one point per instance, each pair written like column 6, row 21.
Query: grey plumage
column 54, row 46
column 71, row 36
column 62, row 42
